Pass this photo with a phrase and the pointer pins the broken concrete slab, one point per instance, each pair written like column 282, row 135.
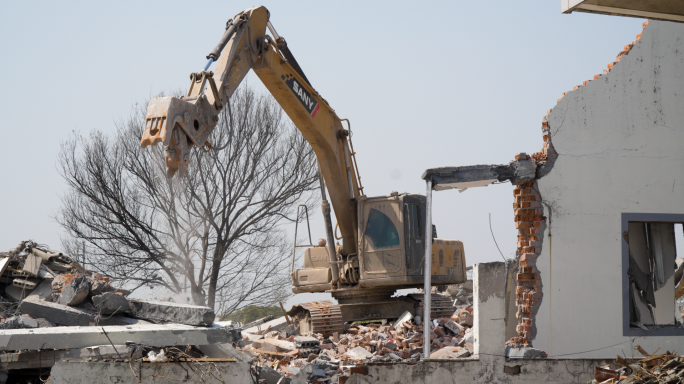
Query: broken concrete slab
column 44, row 323
column 43, row 290
column 32, row 264
column 225, row 351
column 110, row 303
column 70, row 316
column 75, row 291
column 258, row 322
column 275, row 325
column 16, row 293
column 272, row 376
column 406, row 316
column 154, row 335
column 306, row 341
column 359, row 353
column 18, row 322
column 169, row 312
column 98, row 286
column 454, row 327
column 450, row 353
column 524, row 353
column 274, row 345
column 46, row 358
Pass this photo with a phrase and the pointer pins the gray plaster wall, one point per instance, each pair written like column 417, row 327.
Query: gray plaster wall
column 620, row 144
column 107, row 372
column 482, row 371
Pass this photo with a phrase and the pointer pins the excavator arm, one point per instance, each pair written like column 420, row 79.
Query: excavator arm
column 181, row 123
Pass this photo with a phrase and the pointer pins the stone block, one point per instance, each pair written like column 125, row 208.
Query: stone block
column 75, row 291
column 110, row 303
column 168, row 312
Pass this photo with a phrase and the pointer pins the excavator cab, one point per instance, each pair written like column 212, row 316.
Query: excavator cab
column 392, row 248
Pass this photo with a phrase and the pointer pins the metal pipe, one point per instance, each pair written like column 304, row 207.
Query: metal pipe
column 332, row 255
column 427, row 287
column 231, row 27
column 294, row 245
column 211, row 60
column 273, row 31
column 352, row 196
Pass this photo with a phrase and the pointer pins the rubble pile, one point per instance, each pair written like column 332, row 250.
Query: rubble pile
column 461, row 294
column 45, row 288
column 278, row 348
column 664, row 368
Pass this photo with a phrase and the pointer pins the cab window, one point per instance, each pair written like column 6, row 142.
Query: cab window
column 381, row 231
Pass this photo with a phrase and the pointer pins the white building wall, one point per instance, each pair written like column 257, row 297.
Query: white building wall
column 620, row 141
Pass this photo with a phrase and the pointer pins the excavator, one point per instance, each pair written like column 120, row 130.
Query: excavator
column 383, row 238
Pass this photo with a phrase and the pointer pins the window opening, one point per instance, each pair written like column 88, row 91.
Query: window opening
column 381, row 231
column 656, row 292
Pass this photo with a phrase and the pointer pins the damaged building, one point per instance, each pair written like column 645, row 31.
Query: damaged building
column 598, row 213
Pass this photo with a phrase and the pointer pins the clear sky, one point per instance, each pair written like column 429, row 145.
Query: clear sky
column 425, row 84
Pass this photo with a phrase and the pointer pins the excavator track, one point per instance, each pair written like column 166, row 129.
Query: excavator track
column 321, row 317
column 440, row 306
column 324, row 317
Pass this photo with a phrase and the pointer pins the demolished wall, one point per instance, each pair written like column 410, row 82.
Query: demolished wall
column 611, row 146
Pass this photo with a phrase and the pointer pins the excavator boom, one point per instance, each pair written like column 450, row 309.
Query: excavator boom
column 383, row 237
column 181, row 123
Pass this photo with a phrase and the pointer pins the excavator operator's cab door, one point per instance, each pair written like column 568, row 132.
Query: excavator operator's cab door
column 382, row 239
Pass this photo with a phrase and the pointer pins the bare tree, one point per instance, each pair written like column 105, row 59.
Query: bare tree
column 217, row 231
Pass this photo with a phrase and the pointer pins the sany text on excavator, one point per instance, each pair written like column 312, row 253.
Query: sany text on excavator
column 382, row 237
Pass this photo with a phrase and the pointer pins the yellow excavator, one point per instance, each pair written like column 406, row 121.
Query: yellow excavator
column 383, row 237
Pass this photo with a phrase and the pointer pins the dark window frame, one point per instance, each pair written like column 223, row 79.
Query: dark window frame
column 626, row 218
column 418, row 226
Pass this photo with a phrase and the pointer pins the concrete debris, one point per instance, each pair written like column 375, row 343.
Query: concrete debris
column 75, row 292
column 54, row 309
column 450, row 353
column 359, row 353
column 271, row 325
column 524, row 353
column 152, row 335
column 328, row 359
column 169, row 312
column 17, row 322
column 461, row 294
column 110, row 303
column 69, row 316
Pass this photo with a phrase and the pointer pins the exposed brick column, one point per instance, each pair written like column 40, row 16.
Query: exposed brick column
column 528, row 292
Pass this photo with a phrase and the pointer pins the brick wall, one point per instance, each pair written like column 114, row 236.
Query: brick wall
column 530, row 222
